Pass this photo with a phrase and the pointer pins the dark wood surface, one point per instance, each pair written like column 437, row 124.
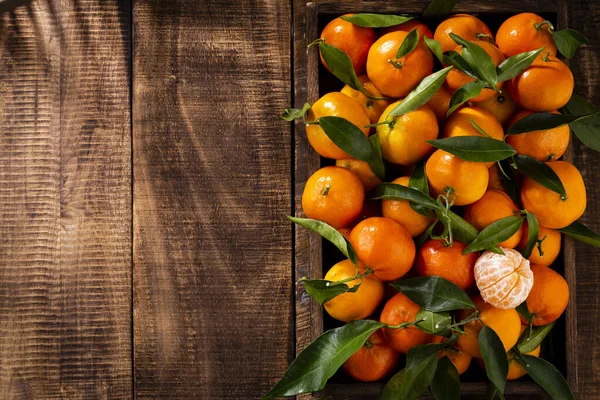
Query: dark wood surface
column 144, row 183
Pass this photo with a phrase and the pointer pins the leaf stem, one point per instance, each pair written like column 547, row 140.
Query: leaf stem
column 368, row 271
column 316, row 42
column 539, row 25
column 405, row 324
column 397, row 64
column 473, row 317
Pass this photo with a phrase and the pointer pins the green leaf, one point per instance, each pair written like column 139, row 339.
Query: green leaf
column 478, row 60
column 479, row 128
column 321, row 359
column 509, row 180
column 340, row 65
column 579, row 231
column 347, row 137
column 463, row 231
column 516, row 64
column 475, row 148
column 587, row 130
column 409, row 44
column 376, row 160
column 495, row 233
column 330, row 233
column 542, row 121
column 421, row 94
column 532, row 234
column 435, row 47
column 464, row 94
column 412, row 381
column 434, row 323
column 423, row 237
column 446, row 381
column 377, row 20
column 494, row 357
column 568, row 41
column 529, row 341
column 454, row 59
column 392, row 191
column 322, row 291
column 439, row 7
column 524, row 311
column 434, row 293
column 290, row 114
column 548, row 377
column 418, row 180
column 541, row 173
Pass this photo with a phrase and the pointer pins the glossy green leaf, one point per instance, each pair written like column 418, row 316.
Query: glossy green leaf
column 435, row 47
column 340, row 65
column 509, row 180
column 494, row 357
column 516, row 64
column 479, row 128
column 579, row 231
column 322, row 291
column 477, row 58
column 439, row 7
column 411, row 382
column 548, row 377
column 347, row 137
column 446, row 381
column 330, row 233
column 425, row 236
column 541, row 173
column 409, row 44
column 524, row 312
column 321, row 359
column 529, row 341
column 434, row 293
column 568, row 41
column 421, row 94
column 418, row 180
column 475, row 148
column 542, row 121
column 463, row 231
column 376, row 160
column 434, row 323
column 392, row 191
column 453, row 58
column 532, row 234
column 377, row 20
column 587, row 130
column 464, row 94
column 495, row 233
column 290, row 114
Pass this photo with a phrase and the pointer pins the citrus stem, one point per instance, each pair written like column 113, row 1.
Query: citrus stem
column 405, row 324
column 546, row 58
column 326, row 190
column 315, row 122
column 316, row 42
column 395, row 63
column 445, row 205
column 539, row 243
column 539, row 25
column 485, row 36
column 368, row 271
column 473, row 317
column 368, row 344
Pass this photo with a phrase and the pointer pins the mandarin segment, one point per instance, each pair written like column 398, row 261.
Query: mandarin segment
column 333, row 195
column 334, row 104
column 504, row 281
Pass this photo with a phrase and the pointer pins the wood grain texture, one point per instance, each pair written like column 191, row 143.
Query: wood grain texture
column 213, row 295
column 65, row 201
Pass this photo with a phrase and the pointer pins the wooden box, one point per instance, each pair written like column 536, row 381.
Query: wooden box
column 313, row 256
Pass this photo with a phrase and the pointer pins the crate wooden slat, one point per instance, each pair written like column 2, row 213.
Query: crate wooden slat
column 308, row 247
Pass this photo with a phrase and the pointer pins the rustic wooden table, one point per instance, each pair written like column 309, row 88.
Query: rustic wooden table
column 144, row 180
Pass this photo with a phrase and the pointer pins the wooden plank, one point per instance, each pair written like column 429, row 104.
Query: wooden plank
column 213, row 298
column 584, row 16
column 65, row 201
